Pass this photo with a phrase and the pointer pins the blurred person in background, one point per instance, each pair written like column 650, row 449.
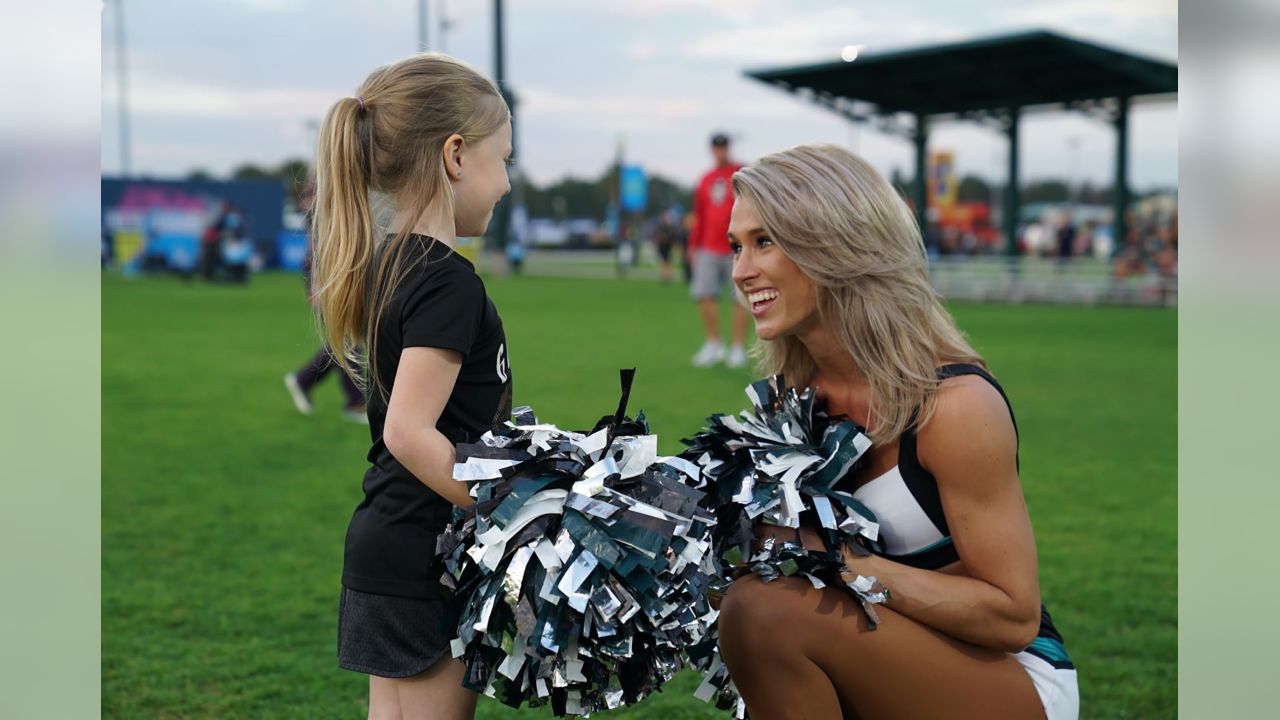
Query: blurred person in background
column 1066, row 236
column 1084, row 241
column 1133, row 259
column 515, row 252
column 686, row 251
column 431, row 137
column 830, row 259
column 1034, row 238
column 236, row 248
column 108, row 248
column 211, row 242
column 301, row 382
column 712, row 263
column 948, row 240
column 1166, row 257
column 667, row 234
column 516, row 232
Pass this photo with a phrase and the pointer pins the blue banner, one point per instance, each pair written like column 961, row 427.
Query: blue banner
column 635, row 188
column 291, row 249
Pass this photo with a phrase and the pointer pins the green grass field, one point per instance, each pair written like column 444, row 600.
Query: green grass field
column 223, row 510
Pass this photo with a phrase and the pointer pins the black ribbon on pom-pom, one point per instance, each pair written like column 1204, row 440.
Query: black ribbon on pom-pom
column 781, row 464
column 582, row 571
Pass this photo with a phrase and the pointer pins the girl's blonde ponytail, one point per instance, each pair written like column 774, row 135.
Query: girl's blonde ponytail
column 341, row 262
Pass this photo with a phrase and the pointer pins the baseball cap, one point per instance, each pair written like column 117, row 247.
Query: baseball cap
column 719, row 139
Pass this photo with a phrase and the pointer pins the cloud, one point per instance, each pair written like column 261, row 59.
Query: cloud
column 1083, row 12
column 723, row 9
column 271, row 6
column 40, row 63
column 819, row 34
column 645, row 113
column 1147, row 23
column 642, row 51
column 620, row 111
column 311, row 8
column 814, row 36
column 173, row 99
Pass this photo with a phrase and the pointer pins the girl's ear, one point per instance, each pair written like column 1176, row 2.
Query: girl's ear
column 454, row 147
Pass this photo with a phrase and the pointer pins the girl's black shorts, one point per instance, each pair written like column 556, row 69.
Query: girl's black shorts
column 393, row 637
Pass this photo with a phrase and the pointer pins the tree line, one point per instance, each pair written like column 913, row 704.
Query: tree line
column 569, row 197
column 572, row 197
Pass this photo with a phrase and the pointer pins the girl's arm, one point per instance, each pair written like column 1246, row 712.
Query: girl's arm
column 970, row 447
column 424, row 381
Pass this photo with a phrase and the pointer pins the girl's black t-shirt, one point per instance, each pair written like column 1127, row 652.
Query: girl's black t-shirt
column 440, row 303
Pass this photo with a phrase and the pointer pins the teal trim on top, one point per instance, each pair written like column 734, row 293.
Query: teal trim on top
column 1050, row 648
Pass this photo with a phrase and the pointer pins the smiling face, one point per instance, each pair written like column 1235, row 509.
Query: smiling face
column 481, row 182
column 781, row 299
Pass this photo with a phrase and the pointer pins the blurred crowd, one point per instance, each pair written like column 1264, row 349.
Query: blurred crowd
column 1148, row 250
column 1150, row 247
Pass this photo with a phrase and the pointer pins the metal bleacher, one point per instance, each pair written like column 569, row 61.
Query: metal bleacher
column 1080, row 281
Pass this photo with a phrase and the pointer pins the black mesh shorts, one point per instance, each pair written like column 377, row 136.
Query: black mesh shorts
column 393, row 637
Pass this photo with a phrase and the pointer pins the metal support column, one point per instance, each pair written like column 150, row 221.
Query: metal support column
column 1012, row 192
column 502, row 213
column 920, row 191
column 1120, row 193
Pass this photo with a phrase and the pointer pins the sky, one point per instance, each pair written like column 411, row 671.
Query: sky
column 217, row 84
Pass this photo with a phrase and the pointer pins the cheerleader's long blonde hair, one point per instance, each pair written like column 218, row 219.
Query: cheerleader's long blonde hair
column 856, row 240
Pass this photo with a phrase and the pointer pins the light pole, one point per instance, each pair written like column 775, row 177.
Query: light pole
column 502, row 214
column 422, row 26
column 122, row 101
column 445, row 24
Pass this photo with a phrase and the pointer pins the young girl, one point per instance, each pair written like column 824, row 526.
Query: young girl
column 417, row 158
column 831, row 264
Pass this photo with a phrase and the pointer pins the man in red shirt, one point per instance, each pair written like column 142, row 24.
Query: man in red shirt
column 712, row 260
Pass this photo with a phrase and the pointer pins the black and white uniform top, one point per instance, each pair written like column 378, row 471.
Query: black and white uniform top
column 914, row 529
column 440, row 303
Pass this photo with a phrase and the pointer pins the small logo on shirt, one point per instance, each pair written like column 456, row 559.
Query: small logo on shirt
column 719, row 191
column 502, row 362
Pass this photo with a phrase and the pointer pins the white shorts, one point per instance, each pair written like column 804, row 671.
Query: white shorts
column 1056, row 687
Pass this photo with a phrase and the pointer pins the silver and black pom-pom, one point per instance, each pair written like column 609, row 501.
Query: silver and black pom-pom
column 582, row 571
column 780, row 463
